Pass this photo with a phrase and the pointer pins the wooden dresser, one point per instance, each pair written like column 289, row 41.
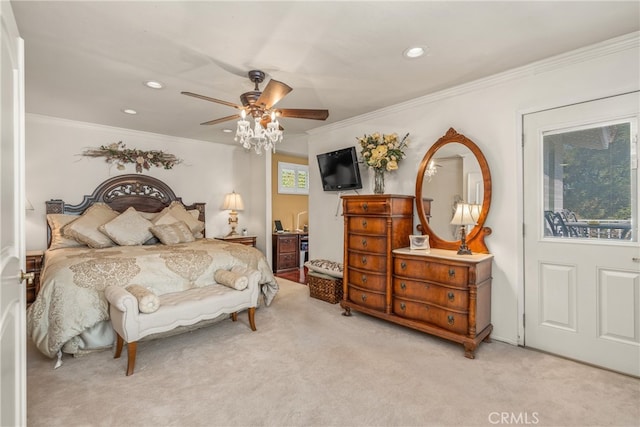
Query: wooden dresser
column 444, row 294
column 286, row 250
column 374, row 225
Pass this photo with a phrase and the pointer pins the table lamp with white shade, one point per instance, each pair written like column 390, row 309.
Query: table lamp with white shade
column 463, row 217
column 233, row 203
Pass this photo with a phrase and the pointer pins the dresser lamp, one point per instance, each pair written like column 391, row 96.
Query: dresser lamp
column 233, row 203
column 463, row 217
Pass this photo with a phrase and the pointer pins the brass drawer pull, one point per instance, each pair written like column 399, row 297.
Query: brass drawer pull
column 364, row 260
column 450, row 295
column 364, row 297
column 403, row 306
column 403, row 265
column 450, row 319
column 365, row 206
column 452, row 273
column 403, row 286
column 364, row 243
column 364, row 223
column 364, row 278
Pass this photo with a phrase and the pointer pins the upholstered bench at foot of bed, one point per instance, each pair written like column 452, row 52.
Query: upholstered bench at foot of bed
column 176, row 309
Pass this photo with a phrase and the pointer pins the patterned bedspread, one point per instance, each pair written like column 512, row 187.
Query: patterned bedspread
column 71, row 298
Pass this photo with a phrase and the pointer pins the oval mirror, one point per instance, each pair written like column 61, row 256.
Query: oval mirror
column 454, row 170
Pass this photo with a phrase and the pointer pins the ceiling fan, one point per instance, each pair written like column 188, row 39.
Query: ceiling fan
column 261, row 104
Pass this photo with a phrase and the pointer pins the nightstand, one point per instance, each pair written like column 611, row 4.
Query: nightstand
column 243, row 240
column 34, row 265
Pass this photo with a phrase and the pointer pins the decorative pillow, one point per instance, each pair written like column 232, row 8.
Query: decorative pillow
column 172, row 234
column 128, row 229
column 195, row 213
column 148, row 215
column 148, row 302
column 85, row 228
column 56, row 223
column 230, row 279
column 178, row 210
column 330, row 268
column 252, row 275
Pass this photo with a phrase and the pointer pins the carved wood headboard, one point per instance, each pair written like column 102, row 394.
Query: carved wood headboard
column 144, row 193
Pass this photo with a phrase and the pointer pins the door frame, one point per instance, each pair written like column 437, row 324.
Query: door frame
column 520, row 116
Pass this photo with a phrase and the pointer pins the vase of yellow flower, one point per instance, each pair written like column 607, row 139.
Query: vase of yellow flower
column 378, row 181
column 382, row 152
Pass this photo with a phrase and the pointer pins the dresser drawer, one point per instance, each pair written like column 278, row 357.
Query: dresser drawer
column 366, row 261
column 368, row 280
column 288, row 244
column 366, row 298
column 287, row 261
column 443, row 273
column 360, row 224
column 457, row 299
column 366, row 207
column 446, row 319
column 363, row 242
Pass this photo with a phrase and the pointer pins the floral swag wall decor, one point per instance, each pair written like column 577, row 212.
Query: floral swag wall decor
column 119, row 154
column 382, row 152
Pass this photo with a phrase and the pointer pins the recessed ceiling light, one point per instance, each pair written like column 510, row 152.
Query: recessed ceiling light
column 415, row 52
column 227, row 130
column 129, row 111
column 154, row 84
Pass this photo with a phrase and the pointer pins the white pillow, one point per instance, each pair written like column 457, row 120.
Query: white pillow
column 58, row 240
column 178, row 210
column 85, row 228
column 148, row 302
column 172, row 234
column 230, row 279
column 128, row 229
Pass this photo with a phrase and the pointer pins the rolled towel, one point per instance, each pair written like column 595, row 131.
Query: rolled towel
column 148, row 302
column 233, row 280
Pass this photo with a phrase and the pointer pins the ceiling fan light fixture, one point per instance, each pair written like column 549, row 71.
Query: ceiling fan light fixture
column 258, row 138
column 153, row 84
column 415, row 52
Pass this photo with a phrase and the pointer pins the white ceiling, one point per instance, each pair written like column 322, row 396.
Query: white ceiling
column 87, row 61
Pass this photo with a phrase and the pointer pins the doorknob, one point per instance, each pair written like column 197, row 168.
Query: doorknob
column 29, row 277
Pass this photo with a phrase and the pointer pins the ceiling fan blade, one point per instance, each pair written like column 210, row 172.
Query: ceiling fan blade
column 220, row 120
column 300, row 113
column 273, row 93
column 206, row 98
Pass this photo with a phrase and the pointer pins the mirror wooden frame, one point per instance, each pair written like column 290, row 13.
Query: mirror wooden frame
column 475, row 238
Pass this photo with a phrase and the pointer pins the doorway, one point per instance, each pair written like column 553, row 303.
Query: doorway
column 581, row 245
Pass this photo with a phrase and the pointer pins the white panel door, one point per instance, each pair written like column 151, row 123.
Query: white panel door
column 581, row 250
column 12, row 253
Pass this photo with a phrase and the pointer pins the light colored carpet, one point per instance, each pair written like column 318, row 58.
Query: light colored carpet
column 307, row 365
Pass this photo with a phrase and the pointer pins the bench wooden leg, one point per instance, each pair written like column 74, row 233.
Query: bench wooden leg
column 119, row 343
column 234, row 316
column 252, row 318
column 131, row 361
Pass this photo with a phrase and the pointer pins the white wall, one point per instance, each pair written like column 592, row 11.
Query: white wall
column 488, row 112
column 56, row 170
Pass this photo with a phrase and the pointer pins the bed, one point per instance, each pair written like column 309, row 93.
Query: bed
column 70, row 313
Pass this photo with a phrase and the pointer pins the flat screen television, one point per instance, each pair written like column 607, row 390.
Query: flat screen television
column 339, row 170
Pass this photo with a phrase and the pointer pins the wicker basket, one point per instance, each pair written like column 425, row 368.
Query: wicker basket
column 325, row 288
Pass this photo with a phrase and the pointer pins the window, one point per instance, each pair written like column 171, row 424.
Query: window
column 293, row 178
column 590, row 182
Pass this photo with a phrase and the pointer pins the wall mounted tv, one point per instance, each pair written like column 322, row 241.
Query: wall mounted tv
column 339, row 170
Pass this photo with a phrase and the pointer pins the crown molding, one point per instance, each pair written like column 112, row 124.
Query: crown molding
column 623, row 43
